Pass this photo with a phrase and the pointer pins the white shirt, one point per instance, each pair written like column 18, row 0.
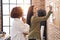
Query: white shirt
column 18, row 28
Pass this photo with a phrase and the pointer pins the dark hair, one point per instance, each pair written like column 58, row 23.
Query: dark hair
column 29, row 15
column 16, row 12
column 41, row 13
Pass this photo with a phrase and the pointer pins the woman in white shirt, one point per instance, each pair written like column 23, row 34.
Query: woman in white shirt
column 19, row 28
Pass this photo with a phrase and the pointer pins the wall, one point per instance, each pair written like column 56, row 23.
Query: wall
column 56, row 11
column 53, row 32
column 0, row 15
column 53, row 29
column 38, row 4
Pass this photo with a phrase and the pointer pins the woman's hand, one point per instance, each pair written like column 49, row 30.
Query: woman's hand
column 25, row 34
column 50, row 7
column 23, row 19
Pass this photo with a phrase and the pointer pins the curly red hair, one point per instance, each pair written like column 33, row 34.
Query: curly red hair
column 16, row 12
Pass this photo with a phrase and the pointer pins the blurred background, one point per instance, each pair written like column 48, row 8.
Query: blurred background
column 53, row 23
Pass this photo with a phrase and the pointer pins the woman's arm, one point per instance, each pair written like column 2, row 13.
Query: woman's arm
column 26, row 31
column 38, row 19
column 46, row 17
column 23, row 27
column 50, row 12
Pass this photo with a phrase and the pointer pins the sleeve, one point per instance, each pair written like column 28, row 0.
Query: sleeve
column 27, row 28
column 23, row 27
column 46, row 17
column 38, row 19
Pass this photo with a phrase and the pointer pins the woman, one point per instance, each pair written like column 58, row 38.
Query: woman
column 29, row 15
column 19, row 28
column 35, row 25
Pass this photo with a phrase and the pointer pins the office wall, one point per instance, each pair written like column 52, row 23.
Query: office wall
column 0, row 15
column 38, row 4
column 53, row 29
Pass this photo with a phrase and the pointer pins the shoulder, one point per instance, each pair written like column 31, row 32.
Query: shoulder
column 18, row 22
column 34, row 17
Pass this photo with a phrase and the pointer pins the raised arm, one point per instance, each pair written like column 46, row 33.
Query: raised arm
column 50, row 12
column 46, row 17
